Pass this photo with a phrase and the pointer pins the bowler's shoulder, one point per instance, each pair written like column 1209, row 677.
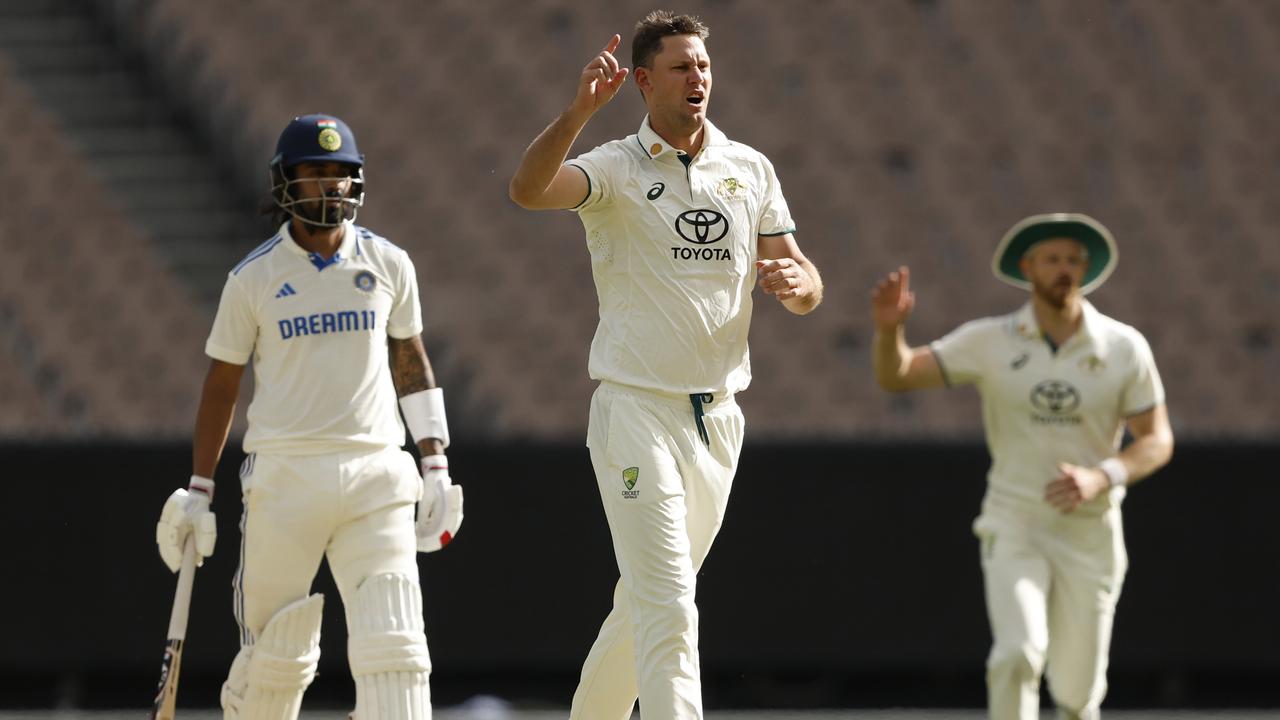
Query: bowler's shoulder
column 744, row 153
column 628, row 149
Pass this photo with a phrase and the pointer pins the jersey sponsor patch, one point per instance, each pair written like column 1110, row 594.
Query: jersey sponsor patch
column 286, row 290
column 1055, row 402
column 325, row 323
column 702, row 227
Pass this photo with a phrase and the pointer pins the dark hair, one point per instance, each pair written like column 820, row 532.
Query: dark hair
column 660, row 24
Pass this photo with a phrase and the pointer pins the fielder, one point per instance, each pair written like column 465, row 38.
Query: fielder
column 329, row 313
column 1059, row 383
column 680, row 223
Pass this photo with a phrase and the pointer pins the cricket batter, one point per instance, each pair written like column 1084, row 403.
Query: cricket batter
column 329, row 313
column 1059, row 383
column 680, row 223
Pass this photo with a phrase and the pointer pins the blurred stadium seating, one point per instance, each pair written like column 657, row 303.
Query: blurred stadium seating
column 904, row 131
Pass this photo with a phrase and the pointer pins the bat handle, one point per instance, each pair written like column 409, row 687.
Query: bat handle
column 182, row 597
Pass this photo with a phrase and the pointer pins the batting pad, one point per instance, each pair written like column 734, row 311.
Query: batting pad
column 387, row 650
column 276, row 670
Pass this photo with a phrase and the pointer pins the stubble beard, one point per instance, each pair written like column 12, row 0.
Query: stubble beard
column 1055, row 295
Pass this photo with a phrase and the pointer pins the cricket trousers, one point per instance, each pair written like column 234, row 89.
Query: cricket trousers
column 664, row 491
column 355, row 508
column 1052, row 582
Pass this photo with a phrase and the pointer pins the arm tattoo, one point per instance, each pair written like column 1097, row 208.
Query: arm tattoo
column 410, row 368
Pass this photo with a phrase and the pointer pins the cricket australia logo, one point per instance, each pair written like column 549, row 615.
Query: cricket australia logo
column 730, row 188
column 1054, row 402
column 701, row 227
column 1093, row 365
column 630, row 477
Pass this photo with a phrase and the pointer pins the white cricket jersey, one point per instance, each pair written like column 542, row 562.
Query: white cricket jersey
column 673, row 252
column 317, row 332
column 1042, row 407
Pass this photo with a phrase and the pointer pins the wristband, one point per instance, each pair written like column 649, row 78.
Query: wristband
column 1115, row 471
column 202, row 485
column 424, row 414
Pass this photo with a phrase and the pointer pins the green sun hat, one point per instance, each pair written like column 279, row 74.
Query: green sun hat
column 1096, row 239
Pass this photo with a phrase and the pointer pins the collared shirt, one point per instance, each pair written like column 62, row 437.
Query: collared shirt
column 673, row 250
column 1042, row 406
column 317, row 331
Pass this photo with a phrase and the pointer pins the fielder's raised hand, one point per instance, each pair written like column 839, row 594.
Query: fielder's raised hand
column 600, row 79
column 892, row 300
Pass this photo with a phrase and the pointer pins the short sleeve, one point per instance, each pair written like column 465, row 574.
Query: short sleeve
column 597, row 165
column 775, row 216
column 1144, row 389
column 235, row 327
column 960, row 353
column 406, row 312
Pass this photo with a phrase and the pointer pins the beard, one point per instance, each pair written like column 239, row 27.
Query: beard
column 1055, row 294
column 318, row 212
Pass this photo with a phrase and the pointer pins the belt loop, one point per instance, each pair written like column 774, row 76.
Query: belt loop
column 697, row 399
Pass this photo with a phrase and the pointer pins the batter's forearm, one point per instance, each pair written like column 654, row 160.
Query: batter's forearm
column 410, row 369
column 411, row 372
column 543, row 158
column 213, row 423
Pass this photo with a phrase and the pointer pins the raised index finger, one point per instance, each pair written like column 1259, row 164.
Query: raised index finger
column 905, row 273
column 613, row 43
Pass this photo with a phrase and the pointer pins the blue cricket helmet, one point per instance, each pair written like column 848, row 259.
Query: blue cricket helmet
column 316, row 138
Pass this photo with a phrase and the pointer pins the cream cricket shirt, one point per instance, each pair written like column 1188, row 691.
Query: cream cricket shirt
column 673, row 252
column 1042, row 407
column 317, row 332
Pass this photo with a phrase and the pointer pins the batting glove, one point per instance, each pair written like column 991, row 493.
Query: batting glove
column 187, row 511
column 440, row 509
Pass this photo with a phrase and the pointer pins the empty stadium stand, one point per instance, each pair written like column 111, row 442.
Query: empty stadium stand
column 904, row 131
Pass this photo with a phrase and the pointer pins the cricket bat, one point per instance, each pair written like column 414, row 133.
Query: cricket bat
column 167, row 693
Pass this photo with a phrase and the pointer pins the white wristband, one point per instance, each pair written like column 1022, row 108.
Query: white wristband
column 202, row 485
column 424, row 414
column 1115, row 471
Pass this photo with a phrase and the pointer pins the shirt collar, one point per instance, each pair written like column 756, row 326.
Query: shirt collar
column 1026, row 326
column 655, row 147
column 346, row 249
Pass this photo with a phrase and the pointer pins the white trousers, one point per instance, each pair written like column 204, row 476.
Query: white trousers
column 1052, row 582
column 355, row 508
column 664, row 493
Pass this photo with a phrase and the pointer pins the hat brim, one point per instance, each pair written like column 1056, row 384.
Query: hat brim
column 1096, row 239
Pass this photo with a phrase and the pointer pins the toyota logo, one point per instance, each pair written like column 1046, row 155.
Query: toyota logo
column 702, row 227
column 1055, row 396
